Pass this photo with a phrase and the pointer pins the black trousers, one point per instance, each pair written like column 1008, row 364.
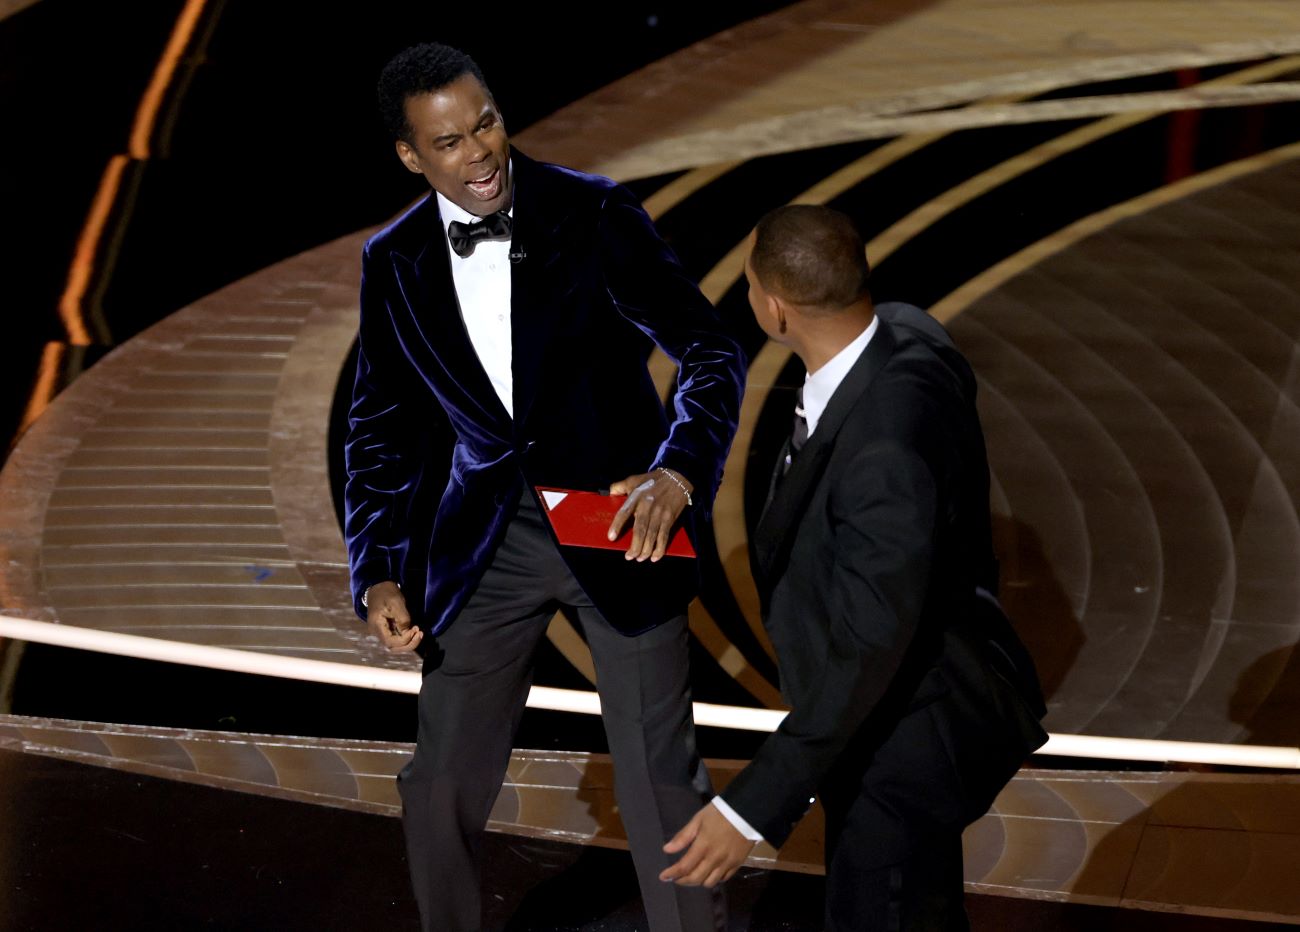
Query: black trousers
column 476, row 679
column 893, row 835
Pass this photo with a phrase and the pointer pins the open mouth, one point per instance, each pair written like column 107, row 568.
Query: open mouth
column 487, row 187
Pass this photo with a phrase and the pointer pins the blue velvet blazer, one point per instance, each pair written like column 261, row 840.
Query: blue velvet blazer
column 596, row 280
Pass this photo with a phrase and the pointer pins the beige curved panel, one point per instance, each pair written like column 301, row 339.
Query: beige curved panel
column 1208, row 844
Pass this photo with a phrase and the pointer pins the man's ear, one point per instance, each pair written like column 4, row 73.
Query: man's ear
column 779, row 310
column 410, row 158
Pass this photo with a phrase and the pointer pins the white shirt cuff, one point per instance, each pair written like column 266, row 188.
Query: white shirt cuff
column 736, row 821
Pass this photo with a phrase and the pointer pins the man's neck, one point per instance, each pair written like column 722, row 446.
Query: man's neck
column 825, row 337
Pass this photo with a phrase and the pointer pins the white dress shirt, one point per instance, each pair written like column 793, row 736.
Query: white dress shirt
column 818, row 387
column 482, row 281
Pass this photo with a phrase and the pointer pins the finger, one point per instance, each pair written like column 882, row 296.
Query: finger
column 640, row 517
column 378, row 626
column 621, row 516
column 624, row 486
column 661, row 541
column 683, row 838
column 656, row 527
column 681, row 867
column 385, row 626
column 405, row 648
column 686, row 865
column 697, row 876
column 397, row 611
column 715, row 877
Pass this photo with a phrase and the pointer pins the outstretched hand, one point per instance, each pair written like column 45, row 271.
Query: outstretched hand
column 655, row 500
column 714, row 850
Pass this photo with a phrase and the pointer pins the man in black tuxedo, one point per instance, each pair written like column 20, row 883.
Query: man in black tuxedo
column 912, row 701
column 513, row 307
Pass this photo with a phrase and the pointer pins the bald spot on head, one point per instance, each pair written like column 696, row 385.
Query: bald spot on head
column 811, row 256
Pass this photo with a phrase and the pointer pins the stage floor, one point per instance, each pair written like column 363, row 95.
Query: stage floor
column 1101, row 201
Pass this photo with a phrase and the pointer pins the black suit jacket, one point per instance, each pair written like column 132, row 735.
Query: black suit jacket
column 595, row 286
column 869, row 557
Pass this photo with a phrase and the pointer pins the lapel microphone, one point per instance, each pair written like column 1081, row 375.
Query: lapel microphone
column 518, row 256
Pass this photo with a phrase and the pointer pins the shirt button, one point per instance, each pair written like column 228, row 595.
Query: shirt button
column 501, row 317
column 492, row 267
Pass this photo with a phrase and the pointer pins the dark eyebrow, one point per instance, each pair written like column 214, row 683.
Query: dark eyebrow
column 445, row 138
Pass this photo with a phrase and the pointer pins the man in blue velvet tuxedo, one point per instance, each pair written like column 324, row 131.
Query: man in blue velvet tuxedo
column 511, row 308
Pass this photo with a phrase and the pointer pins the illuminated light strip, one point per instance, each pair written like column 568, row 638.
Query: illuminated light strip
column 1183, row 752
column 147, row 113
column 587, row 703
column 83, row 262
column 47, row 383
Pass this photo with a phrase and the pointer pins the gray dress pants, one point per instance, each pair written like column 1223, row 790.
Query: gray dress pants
column 476, row 679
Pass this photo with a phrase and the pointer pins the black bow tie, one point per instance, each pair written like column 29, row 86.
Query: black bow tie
column 463, row 236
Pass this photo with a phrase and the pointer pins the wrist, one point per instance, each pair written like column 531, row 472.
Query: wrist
column 681, row 482
column 365, row 593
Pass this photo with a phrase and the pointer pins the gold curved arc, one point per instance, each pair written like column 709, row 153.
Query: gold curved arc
column 679, row 189
column 730, row 658
column 569, row 642
column 1031, row 255
column 956, row 197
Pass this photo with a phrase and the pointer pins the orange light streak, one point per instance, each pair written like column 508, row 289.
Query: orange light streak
column 101, row 209
column 147, row 114
column 83, row 261
column 47, row 383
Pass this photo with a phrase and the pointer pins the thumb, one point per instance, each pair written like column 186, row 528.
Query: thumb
column 628, row 485
column 682, row 840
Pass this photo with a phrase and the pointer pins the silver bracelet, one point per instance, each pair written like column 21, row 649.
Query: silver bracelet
column 680, row 484
column 365, row 594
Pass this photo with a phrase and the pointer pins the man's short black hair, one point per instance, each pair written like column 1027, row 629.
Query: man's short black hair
column 811, row 256
column 421, row 69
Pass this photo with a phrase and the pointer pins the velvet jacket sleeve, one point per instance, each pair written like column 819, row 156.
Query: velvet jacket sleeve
column 880, row 524
column 652, row 290
column 380, row 452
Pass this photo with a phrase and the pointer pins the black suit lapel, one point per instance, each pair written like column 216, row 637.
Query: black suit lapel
column 790, row 494
column 430, row 294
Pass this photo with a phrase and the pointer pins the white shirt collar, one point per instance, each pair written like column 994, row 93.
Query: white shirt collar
column 819, row 386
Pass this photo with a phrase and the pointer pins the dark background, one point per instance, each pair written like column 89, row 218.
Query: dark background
column 268, row 144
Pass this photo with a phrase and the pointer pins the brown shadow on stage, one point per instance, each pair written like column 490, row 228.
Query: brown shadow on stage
column 1036, row 603
column 1197, row 846
column 1214, row 844
column 1271, row 718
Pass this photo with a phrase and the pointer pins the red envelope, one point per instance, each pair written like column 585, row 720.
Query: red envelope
column 582, row 519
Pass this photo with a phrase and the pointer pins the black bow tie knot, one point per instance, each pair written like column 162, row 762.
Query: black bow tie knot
column 464, row 236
